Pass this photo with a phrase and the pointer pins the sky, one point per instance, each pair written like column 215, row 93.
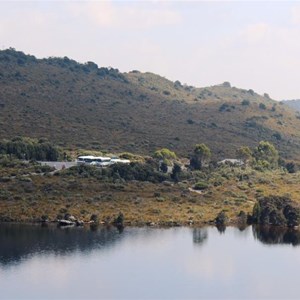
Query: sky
column 252, row 44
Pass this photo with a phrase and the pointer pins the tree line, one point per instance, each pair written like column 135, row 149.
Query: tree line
column 30, row 149
column 263, row 156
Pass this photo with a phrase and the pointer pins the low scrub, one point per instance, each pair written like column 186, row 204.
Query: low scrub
column 201, row 185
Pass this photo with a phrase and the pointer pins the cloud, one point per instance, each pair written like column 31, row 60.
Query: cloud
column 295, row 15
column 255, row 33
column 133, row 16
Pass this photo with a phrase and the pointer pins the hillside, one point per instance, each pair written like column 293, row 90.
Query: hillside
column 294, row 104
column 84, row 106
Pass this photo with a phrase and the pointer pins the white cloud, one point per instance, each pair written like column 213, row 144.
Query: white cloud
column 133, row 15
column 255, row 33
column 295, row 14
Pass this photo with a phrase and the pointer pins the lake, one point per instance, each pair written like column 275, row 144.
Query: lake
column 148, row 263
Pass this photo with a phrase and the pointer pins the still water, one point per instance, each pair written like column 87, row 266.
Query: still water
column 147, row 263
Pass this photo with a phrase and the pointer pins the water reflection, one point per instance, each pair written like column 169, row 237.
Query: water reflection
column 148, row 263
column 20, row 241
column 199, row 235
column 221, row 228
column 276, row 235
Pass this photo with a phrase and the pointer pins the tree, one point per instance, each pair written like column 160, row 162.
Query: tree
column 244, row 153
column 164, row 153
column 176, row 172
column 266, row 155
column 200, row 156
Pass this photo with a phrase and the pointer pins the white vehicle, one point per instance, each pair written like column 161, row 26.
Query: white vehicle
column 100, row 161
column 84, row 159
column 119, row 160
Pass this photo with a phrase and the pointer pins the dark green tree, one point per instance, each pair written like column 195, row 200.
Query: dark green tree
column 200, row 156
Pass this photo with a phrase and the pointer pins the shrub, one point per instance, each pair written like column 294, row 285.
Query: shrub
column 137, row 171
column 291, row 167
column 164, row 153
column 200, row 186
column 245, row 102
column 262, row 106
column 224, row 107
column 226, row 84
column 277, row 136
column 251, row 92
column 221, row 218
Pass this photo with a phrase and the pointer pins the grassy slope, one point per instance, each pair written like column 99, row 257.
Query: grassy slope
column 77, row 108
column 25, row 198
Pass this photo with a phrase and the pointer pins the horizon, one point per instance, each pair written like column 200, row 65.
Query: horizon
column 252, row 45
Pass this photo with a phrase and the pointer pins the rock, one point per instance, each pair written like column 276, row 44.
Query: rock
column 79, row 223
column 66, row 223
column 72, row 219
column 69, row 217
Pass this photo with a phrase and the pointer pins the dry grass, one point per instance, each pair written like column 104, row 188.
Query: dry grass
column 140, row 202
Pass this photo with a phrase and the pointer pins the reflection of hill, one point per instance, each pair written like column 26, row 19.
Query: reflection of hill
column 19, row 241
column 276, row 235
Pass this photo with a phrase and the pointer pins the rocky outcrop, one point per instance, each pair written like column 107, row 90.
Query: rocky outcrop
column 276, row 210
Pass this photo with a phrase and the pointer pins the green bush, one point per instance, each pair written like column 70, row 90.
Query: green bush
column 262, row 106
column 245, row 102
column 201, row 185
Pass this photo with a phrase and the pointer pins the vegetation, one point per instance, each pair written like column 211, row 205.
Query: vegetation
column 244, row 154
column 276, row 210
column 200, row 156
column 139, row 194
column 266, row 155
column 164, row 154
column 30, row 149
column 96, row 108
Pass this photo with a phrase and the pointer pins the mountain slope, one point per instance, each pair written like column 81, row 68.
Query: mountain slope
column 78, row 105
column 294, row 104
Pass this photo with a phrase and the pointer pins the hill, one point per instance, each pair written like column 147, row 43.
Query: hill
column 294, row 104
column 85, row 106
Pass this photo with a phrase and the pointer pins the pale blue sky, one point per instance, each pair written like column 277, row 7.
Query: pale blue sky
column 252, row 44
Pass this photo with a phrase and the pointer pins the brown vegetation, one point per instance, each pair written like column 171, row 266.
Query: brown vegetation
column 84, row 106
